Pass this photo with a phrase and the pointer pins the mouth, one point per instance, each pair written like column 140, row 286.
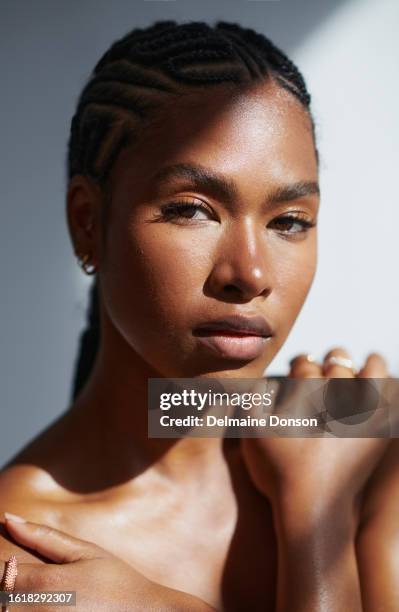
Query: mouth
column 235, row 337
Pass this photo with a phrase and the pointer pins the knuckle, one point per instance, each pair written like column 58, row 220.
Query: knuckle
column 303, row 359
column 337, row 351
column 42, row 530
column 375, row 357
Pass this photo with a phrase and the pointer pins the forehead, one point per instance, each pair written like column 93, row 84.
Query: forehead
column 262, row 133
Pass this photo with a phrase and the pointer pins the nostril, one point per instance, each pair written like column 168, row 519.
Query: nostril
column 231, row 288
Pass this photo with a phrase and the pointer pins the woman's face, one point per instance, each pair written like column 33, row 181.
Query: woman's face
column 242, row 165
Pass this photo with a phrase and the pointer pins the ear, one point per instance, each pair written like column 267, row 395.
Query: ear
column 83, row 208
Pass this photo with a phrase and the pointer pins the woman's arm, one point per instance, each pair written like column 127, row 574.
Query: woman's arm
column 314, row 487
column 317, row 568
column 335, row 554
column 101, row 580
column 377, row 544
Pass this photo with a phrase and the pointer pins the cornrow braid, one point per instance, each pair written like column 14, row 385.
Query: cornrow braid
column 140, row 73
column 136, row 75
column 272, row 58
column 88, row 344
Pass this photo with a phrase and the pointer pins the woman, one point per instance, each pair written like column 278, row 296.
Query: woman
column 193, row 196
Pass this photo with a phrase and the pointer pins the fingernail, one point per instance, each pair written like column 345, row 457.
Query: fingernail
column 14, row 517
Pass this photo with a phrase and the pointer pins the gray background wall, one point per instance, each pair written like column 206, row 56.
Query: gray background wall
column 348, row 51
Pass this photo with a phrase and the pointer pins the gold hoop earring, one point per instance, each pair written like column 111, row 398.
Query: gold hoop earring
column 85, row 265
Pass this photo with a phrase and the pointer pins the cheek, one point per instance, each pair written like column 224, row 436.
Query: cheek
column 295, row 272
column 153, row 278
column 171, row 266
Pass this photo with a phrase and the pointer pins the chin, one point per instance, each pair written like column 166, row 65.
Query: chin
column 233, row 370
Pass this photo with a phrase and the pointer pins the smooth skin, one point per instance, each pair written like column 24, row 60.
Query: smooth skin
column 188, row 523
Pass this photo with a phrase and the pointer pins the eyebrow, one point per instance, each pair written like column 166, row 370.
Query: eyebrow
column 225, row 189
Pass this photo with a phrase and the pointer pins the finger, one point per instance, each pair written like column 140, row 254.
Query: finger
column 374, row 367
column 332, row 370
column 31, row 576
column 305, row 366
column 52, row 543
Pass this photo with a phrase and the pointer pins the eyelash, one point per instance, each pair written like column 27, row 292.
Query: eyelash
column 173, row 210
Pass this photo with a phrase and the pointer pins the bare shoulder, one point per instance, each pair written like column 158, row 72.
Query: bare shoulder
column 21, row 493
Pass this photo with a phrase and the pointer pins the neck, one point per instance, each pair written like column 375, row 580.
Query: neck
column 113, row 407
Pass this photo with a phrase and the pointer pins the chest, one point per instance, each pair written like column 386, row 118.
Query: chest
column 225, row 557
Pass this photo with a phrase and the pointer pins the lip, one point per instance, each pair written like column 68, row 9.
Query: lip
column 254, row 326
column 235, row 336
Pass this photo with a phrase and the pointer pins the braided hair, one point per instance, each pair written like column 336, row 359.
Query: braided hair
column 137, row 75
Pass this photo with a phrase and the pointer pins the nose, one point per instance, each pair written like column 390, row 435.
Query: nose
column 241, row 270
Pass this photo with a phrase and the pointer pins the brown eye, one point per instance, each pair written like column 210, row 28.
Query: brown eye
column 185, row 211
column 291, row 224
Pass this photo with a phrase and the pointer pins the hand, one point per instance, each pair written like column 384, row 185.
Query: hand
column 324, row 472
column 314, row 486
column 101, row 580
